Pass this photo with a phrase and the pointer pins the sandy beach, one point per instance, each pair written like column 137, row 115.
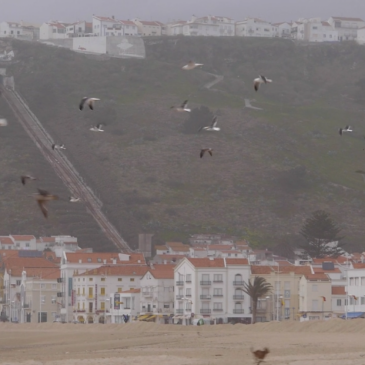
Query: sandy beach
column 332, row 342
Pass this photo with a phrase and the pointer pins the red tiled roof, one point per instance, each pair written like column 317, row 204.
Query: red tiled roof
column 146, row 22
column 170, row 256
column 161, row 248
column 4, row 254
column 346, row 18
column 48, row 239
column 105, row 18
column 267, row 270
column 216, row 262
column 338, row 290
column 326, row 24
column 128, row 22
column 42, row 272
column 359, row 265
column 317, row 277
column 22, row 238
column 5, row 240
column 220, row 247
column 74, row 257
column 17, row 264
column 162, row 271
column 339, row 259
column 125, row 270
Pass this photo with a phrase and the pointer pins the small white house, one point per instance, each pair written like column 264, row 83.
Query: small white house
column 346, row 27
column 11, row 29
column 361, row 35
column 253, row 27
column 283, row 30
column 53, row 30
column 123, row 307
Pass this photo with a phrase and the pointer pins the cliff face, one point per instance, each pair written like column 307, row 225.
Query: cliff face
column 270, row 168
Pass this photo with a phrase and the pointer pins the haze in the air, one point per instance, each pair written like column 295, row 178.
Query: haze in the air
column 168, row 10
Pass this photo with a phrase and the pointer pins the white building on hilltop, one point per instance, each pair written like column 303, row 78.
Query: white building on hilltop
column 210, row 25
column 346, row 27
column 211, row 288
column 254, row 27
column 53, row 30
column 11, row 29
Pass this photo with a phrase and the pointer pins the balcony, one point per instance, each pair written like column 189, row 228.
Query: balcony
column 90, row 297
column 205, row 282
column 179, row 283
column 188, row 309
column 188, row 280
column 204, row 296
column 147, row 293
column 217, row 309
column 205, row 311
column 179, row 296
column 26, row 306
column 238, row 297
column 218, row 281
column 238, row 282
column 217, row 295
column 188, row 295
column 179, row 311
column 238, row 311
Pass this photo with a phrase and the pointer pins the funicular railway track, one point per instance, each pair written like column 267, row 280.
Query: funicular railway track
column 62, row 166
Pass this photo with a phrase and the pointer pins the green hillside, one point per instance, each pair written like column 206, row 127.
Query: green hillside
column 270, row 168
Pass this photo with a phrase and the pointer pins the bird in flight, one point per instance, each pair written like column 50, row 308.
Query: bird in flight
column 212, row 127
column 88, row 101
column 259, row 355
column 73, row 199
column 58, row 147
column 191, row 65
column 42, row 198
column 260, row 80
column 346, row 129
column 24, row 178
column 203, row 150
column 3, row 122
column 182, row 108
column 97, row 128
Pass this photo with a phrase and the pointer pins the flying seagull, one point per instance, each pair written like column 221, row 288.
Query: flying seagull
column 346, row 129
column 3, row 122
column 191, row 65
column 97, row 128
column 58, row 147
column 182, row 108
column 42, row 198
column 212, row 127
column 203, row 150
column 260, row 80
column 73, row 199
column 89, row 101
column 24, row 178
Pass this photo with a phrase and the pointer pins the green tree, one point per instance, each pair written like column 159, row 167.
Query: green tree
column 318, row 231
column 259, row 288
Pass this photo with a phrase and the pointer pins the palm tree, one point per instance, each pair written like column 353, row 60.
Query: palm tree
column 259, row 288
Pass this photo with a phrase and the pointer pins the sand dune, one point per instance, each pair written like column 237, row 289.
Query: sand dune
column 321, row 343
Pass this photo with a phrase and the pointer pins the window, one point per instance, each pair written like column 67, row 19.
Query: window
column 90, row 279
column 18, row 282
column 54, row 286
column 88, row 260
column 218, row 292
column 131, row 279
column 127, row 303
column 120, row 290
column 83, row 305
column 102, row 305
column 102, row 279
column 287, row 303
column 217, row 306
column 314, row 304
column 188, row 292
column 356, row 281
column 119, row 279
column 91, row 292
column 43, row 286
column 314, row 287
column 43, row 299
column 351, row 281
column 188, row 278
column 78, row 305
column 314, row 27
column 287, row 293
column 166, row 305
column 78, row 291
column 286, row 285
column 362, row 300
column 338, row 302
column 102, row 291
column 287, row 313
column 218, row 278
column 83, row 291
column 53, row 299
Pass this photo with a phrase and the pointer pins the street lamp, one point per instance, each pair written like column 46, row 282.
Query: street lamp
column 106, row 300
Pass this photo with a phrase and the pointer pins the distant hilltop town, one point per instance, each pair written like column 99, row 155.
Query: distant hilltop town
column 335, row 29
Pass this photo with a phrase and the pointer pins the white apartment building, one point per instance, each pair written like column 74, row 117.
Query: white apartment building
column 210, row 25
column 123, row 307
column 356, row 289
column 53, row 30
column 79, row 262
column 315, row 297
column 11, row 29
column 157, row 292
column 315, row 30
column 346, row 27
column 211, row 288
column 79, row 29
column 253, row 27
column 106, row 26
column 175, row 28
column 92, row 289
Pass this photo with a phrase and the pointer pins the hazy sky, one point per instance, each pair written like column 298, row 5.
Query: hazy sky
column 167, row 10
